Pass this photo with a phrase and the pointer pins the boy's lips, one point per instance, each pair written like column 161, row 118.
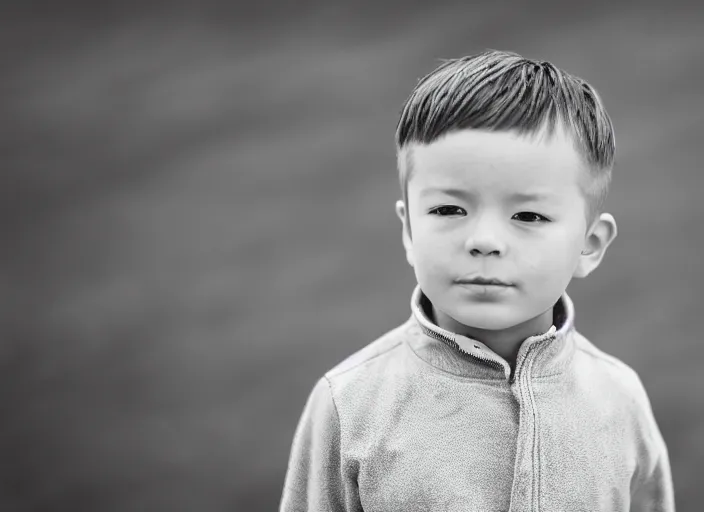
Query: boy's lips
column 483, row 281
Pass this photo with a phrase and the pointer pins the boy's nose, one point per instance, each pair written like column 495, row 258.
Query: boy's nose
column 484, row 242
column 484, row 252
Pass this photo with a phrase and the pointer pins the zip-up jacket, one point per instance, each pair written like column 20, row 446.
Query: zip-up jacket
column 425, row 419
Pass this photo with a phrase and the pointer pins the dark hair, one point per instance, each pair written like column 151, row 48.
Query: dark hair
column 503, row 91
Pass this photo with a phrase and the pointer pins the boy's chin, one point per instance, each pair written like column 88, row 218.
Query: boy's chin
column 487, row 324
column 489, row 321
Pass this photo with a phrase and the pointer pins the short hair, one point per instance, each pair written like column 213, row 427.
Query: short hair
column 504, row 91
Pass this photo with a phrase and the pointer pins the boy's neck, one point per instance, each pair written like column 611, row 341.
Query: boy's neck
column 505, row 342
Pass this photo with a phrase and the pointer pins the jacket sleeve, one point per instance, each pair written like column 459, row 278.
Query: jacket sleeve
column 315, row 479
column 652, row 489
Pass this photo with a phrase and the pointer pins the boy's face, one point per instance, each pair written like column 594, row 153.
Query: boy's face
column 497, row 205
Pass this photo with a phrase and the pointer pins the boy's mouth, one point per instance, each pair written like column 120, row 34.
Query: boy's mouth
column 483, row 281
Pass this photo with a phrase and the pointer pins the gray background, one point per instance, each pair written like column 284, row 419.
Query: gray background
column 198, row 222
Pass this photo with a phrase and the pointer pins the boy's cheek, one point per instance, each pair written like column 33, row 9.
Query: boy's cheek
column 558, row 253
column 430, row 240
column 534, row 259
column 437, row 273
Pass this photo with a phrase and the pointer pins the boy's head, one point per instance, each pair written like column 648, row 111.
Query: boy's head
column 504, row 165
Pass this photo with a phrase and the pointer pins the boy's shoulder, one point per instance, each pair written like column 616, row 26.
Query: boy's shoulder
column 607, row 371
column 609, row 363
column 376, row 354
column 371, row 383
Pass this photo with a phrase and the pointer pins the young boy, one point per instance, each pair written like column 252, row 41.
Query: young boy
column 487, row 398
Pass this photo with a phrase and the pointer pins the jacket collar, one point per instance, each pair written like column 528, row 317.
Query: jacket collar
column 548, row 353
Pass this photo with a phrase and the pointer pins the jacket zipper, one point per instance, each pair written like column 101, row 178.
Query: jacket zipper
column 452, row 343
column 524, row 359
column 527, row 365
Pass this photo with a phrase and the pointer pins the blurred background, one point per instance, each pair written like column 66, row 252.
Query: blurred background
column 198, row 222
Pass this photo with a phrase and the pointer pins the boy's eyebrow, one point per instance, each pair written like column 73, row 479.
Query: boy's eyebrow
column 450, row 191
column 525, row 197
column 519, row 197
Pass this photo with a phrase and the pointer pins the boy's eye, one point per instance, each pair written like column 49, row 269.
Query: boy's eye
column 530, row 217
column 444, row 211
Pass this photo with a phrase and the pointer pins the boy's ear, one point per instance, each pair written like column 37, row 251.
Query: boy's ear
column 407, row 243
column 599, row 237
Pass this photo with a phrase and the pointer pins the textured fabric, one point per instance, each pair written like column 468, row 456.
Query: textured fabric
column 423, row 419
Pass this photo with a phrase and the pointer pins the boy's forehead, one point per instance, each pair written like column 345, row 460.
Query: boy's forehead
column 471, row 158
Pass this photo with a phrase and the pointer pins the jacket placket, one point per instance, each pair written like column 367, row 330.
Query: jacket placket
column 525, row 491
